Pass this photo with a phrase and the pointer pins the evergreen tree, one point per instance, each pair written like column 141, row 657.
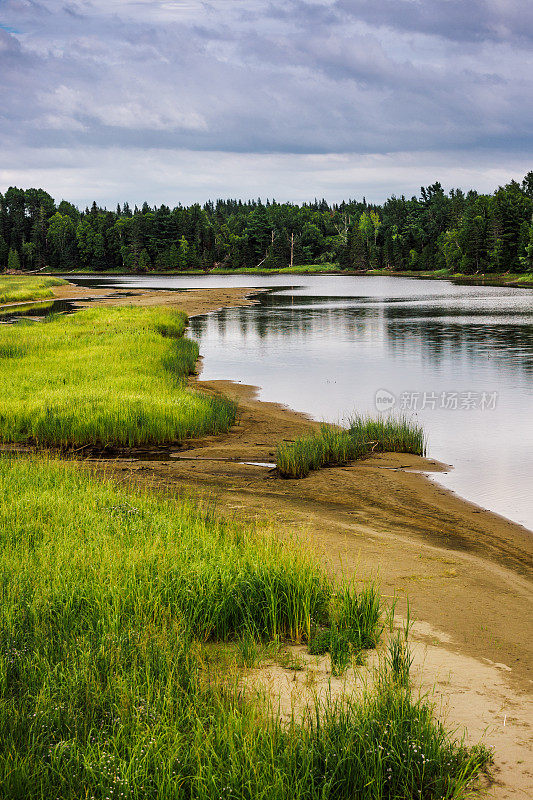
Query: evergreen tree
column 28, row 255
column 525, row 255
column 173, row 258
column 4, row 250
column 61, row 238
column 13, row 261
column 183, row 254
column 511, row 208
column 144, row 261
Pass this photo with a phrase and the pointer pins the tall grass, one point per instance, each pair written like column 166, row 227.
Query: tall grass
column 333, row 446
column 16, row 288
column 105, row 691
column 77, row 551
column 389, row 434
column 104, row 376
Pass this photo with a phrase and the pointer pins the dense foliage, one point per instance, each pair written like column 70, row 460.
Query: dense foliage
column 460, row 232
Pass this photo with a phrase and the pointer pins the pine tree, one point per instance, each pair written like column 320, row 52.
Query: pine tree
column 4, row 250
column 173, row 257
column 13, row 261
column 526, row 247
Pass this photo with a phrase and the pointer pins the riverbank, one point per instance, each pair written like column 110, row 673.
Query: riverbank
column 466, row 572
column 385, row 495
column 192, row 301
column 524, row 280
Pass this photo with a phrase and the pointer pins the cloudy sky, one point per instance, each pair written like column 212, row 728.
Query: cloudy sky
column 183, row 100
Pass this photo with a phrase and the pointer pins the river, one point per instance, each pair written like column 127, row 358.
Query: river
column 458, row 358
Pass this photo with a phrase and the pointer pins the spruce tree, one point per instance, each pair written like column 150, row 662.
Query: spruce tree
column 13, row 261
column 183, row 254
column 4, row 250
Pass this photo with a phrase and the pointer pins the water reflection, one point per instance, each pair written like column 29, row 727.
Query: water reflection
column 326, row 344
column 436, row 335
column 14, row 313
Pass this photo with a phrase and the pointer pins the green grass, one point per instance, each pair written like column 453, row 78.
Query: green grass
column 295, row 270
column 389, row 434
column 16, row 289
column 525, row 279
column 335, row 446
column 104, row 376
column 487, row 278
column 107, row 692
column 77, row 551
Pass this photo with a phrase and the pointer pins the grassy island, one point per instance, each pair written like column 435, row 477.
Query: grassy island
column 333, row 446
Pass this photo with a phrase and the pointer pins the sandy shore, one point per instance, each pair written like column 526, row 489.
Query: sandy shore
column 193, row 301
column 466, row 572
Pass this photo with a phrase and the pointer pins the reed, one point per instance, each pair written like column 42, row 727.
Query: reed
column 333, row 446
column 104, row 377
column 389, row 434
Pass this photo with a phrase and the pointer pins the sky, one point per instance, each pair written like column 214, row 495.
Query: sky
column 174, row 101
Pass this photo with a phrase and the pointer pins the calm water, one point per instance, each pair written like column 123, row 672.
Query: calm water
column 459, row 358
column 15, row 313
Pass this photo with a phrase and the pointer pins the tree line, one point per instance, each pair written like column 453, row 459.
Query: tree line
column 462, row 232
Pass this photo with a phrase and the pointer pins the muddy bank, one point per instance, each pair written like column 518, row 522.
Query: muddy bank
column 192, row 301
column 466, row 571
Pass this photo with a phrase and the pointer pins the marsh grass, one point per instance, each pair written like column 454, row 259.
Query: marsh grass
column 295, row 270
column 334, row 446
column 18, row 288
column 389, row 434
column 355, row 625
column 105, row 688
column 104, row 376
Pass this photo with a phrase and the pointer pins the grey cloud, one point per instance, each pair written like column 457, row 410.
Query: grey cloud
column 458, row 20
column 286, row 78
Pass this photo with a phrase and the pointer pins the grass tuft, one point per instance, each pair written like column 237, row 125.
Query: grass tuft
column 389, row 434
column 334, row 446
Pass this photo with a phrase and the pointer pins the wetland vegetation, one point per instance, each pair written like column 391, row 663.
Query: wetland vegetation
column 19, row 288
column 115, row 603
column 104, row 377
column 334, row 446
column 108, row 687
